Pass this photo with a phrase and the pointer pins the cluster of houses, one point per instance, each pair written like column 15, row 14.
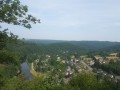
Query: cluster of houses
column 102, row 60
column 112, row 56
column 72, row 66
column 75, row 65
column 88, row 62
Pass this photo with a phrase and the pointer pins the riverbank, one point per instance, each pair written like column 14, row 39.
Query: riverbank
column 33, row 72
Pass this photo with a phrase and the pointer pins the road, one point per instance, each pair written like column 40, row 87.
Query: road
column 86, row 65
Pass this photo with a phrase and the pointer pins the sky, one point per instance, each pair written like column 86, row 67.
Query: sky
column 72, row 20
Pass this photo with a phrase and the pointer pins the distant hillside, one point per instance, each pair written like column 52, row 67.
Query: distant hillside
column 87, row 45
column 53, row 47
column 115, row 48
column 94, row 44
column 40, row 41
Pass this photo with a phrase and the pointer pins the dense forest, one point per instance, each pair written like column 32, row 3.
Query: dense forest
column 51, row 47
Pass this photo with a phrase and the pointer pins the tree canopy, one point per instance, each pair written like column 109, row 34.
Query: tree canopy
column 13, row 12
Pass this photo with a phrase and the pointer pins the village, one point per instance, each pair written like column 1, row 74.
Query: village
column 67, row 68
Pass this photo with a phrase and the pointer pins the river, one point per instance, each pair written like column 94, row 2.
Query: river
column 25, row 69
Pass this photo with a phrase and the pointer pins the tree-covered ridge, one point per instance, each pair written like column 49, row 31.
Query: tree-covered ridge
column 59, row 47
column 86, row 45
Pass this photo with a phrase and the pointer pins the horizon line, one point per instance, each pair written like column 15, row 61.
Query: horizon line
column 69, row 40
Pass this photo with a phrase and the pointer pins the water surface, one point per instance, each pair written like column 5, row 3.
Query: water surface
column 25, row 69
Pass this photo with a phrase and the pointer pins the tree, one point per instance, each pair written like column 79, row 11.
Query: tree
column 12, row 12
column 85, row 81
column 3, row 39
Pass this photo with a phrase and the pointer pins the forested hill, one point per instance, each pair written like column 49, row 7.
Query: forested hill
column 58, row 47
column 81, row 44
column 114, row 48
column 43, row 41
column 94, row 44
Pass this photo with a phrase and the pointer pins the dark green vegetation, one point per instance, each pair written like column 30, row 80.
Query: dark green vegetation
column 111, row 67
column 64, row 48
column 84, row 81
column 12, row 12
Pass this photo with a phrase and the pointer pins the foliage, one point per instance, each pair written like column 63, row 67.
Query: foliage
column 111, row 67
column 7, row 57
column 88, row 81
column 8, row 71
column 3, row 39
column 12, row 12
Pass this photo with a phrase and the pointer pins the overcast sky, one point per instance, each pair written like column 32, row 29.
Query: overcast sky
column 72, row 20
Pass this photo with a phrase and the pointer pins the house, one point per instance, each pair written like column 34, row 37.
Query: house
column 112, row 56
column 73, row 57
column 63, row 61
column 48, row 56
column 91, row 63
column 82, row 57
column 88, row 59
column 97, row 57
column 58, row 59
column 100, row 59
column 68, row 72
column 117, row 78
column 36, row 61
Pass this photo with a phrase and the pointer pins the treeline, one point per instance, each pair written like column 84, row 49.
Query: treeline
column 111, row 67
column 31, row 49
